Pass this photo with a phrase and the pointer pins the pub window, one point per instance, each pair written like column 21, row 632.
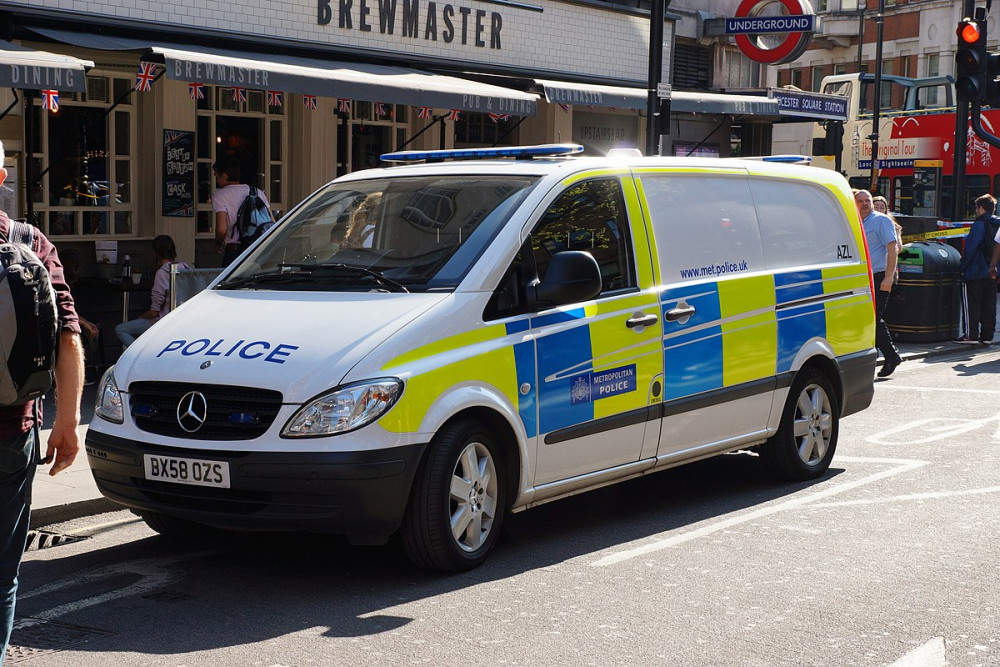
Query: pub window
column 82, row 162
column 475, row 130
column 251, row 130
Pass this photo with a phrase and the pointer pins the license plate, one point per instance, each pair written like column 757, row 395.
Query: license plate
column 186, row 471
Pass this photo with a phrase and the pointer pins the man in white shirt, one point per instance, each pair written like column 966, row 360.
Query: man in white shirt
column 882, row 250
column 226, row 202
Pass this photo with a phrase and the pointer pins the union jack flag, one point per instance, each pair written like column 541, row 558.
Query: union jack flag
column 426, row 113
column 564, row 107
column 380, row 111
column 196, row 91
column 239, row 94
column 274, row 98
column 50, row 100
column 144, row 78
column 309, row 102
column 454, row 115
column 497, row 117
column 343, row 106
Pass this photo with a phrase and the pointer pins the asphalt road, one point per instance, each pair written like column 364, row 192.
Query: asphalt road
column 891, row 559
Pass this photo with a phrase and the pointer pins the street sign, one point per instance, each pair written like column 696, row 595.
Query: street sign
column 663, row 91
column 797, row 23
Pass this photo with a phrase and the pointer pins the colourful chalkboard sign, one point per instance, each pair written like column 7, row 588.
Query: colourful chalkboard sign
column 178, row 173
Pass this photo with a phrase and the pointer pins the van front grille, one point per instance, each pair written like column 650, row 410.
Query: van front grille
column 229, row 413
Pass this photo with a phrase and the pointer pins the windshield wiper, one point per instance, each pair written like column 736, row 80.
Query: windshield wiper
column 379, row 279
column 280, row 275
column 287, row 273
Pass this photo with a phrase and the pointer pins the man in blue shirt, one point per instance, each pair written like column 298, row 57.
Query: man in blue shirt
column 978, row 288
column 882, row 250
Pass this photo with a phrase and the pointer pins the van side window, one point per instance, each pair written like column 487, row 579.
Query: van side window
column 588, row 216
column 801, row 224
column 705, row 225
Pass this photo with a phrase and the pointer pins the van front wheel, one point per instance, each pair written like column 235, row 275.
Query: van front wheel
column 807, row 436
column 458, row 500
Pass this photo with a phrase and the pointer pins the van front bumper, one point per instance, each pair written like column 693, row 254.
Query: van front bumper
column 359, row 494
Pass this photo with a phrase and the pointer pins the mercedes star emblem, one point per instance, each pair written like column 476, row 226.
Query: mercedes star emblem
column 192, row 411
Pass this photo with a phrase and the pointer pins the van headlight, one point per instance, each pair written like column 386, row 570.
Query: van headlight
column 109, row 399
column 344, row 409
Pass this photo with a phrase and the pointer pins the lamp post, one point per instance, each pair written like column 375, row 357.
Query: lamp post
column 876, row 107
column 656, row 11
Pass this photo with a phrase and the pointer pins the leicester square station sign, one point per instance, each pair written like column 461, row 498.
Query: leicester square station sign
column 791, row 29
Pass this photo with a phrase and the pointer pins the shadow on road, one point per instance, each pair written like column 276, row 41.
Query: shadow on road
column 248, row 588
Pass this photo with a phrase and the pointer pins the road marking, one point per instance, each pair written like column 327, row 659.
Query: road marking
column 153, row 573
column 959, row 390
column 931, row 495
column 900, row 466
column 945, row 427
column 930, row 654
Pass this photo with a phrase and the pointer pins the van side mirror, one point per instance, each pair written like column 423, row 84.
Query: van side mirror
column 572, row 276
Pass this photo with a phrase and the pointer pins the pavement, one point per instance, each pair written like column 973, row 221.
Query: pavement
column 72, row 494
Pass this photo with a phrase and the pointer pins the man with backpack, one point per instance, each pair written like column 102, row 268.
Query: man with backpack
column 979, row 290
column 31, row 300
column 236, row 207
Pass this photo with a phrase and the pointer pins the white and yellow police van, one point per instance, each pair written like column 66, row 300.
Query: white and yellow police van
column 425, row 348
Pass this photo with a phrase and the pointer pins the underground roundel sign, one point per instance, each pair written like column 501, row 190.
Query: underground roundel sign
column 788, row 26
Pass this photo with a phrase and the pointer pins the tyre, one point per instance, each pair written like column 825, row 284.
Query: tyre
column 458, row 500
column 174, row 528
column 807, row 436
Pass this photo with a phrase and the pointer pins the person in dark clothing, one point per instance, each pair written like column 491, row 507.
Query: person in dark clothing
column 19, row 450
column 979, row 290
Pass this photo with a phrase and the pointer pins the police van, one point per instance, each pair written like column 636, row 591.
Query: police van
column 426, row 348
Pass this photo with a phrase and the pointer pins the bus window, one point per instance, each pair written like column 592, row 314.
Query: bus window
column 974, row 186
column 902, row 195
column 842, row 88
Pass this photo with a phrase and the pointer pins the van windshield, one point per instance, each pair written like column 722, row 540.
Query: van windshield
column 414, row 234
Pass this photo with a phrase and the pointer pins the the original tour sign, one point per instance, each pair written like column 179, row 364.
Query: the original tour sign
column 753, row 18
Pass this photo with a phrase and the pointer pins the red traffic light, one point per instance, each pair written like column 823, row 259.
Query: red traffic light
column 968, row 32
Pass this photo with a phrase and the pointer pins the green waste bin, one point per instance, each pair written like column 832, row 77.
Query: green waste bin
column 926, row 303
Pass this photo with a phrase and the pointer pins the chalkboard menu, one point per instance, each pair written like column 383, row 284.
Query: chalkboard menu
column 178, row 173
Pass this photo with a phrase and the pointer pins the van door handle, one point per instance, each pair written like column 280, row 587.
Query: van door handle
column 641, row 321
column 679, row 313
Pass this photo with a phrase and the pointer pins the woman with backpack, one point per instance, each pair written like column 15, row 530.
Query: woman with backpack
column 227, row 201
column 166, row 256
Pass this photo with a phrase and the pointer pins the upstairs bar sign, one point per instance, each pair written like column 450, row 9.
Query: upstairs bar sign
column 789, row 31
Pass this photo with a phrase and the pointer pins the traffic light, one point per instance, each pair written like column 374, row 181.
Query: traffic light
column 971, row 61
column 992, row 96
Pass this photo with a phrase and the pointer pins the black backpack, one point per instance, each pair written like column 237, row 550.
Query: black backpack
column 29, row 320
column 253, row 219
column 992, row 224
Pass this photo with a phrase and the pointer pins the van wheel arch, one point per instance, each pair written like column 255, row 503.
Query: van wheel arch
column 828, row 367
column 484, row 438
column 806, row 440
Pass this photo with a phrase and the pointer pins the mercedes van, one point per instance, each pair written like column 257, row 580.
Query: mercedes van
column 426, row 348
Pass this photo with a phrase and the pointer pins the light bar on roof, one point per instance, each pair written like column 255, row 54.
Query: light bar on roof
column 786, row 159
column 545, row 150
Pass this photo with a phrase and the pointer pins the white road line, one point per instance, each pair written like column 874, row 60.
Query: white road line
column 930, row 495
column 958, row 390
column 900, row 466
column 153, row 573
column 930, row 654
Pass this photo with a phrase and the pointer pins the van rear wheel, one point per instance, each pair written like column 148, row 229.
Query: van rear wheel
column 458, row 500
column 803, row 447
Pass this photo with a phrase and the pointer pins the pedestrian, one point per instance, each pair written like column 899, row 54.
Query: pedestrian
column 882, row 250
column 226, row 201
column 881, row 204
column 166, row 256
column 20, row 426
column 979, row 289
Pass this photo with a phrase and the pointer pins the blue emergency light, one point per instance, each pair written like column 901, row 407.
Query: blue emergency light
column 518, row 152
column 788, row 159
